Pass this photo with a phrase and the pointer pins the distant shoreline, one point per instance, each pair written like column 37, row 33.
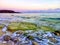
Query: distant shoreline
column 35, row 12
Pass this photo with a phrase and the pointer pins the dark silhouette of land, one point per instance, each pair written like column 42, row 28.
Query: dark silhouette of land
column 57, row 10
column 8, row 11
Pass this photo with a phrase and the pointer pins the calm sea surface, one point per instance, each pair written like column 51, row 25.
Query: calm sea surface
column 53, row 15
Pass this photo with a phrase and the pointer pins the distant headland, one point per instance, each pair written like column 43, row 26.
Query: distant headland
column 57, row 10
column 8, row 11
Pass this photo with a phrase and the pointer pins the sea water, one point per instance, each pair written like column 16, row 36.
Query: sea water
column 38, row 18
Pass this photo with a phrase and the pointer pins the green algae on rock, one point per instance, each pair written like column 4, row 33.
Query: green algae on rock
column 48, row 28
column 15, row 26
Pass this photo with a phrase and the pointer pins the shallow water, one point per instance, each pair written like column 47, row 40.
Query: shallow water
column 46, row 21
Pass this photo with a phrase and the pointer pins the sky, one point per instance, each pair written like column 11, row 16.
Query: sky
column 29, row 4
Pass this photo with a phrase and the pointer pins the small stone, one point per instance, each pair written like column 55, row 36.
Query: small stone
column 6, row 38
column 50, row 44
column 53, row 40
column 19, row 32
column 30, row 37
column 35, row 43
column 57, row 33
column 15, row 40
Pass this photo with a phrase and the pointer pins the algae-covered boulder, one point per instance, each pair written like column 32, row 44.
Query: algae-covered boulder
column 15, row 26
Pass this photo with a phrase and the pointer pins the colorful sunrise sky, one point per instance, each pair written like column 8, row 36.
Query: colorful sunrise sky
column 29, row 4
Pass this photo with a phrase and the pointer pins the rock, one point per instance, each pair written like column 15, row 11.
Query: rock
column 7, row 43
column 6, row 38
column 37, row 39
column 1, row 33
column 4, row 29
column 49, row 34
column 57, row 33
column 53, row 40
column 30, row 37
column 19, row 32
column 50, row 44
column 25, row 34
column 23, row 43
column 45, row 40
column 8, row 33
column 35, row 43
column 15, row 40
column 29, row 31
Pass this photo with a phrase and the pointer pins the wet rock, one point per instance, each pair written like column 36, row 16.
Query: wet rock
column 19, row 32
column 15, row 40
column 33, row 34
column 37, row 39
column 57, row 33
column 50, row 44
column 47, row 34
column 24, row 43
column 25, row 34
column 1, row 33
column 8, row 33
column 58, row 43
column 6, row 38
column 53, row 40
column 4, row 29
column 7, row 43
column 23, row 39
column 30, row 37
column 35, row 43
column 45, row 40
column 29, row 31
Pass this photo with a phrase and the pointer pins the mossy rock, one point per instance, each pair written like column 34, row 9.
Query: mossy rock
column 15, row 26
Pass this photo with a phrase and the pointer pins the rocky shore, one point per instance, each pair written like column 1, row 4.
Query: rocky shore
column 30, row 38
column 38, row 31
